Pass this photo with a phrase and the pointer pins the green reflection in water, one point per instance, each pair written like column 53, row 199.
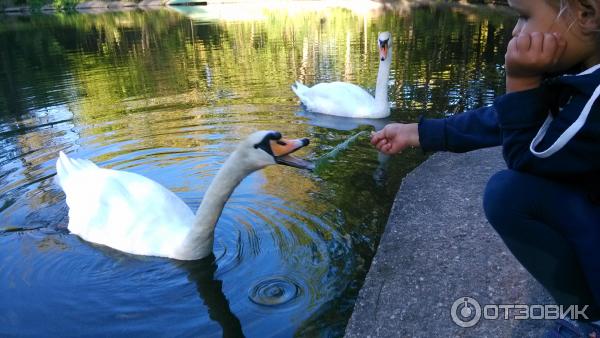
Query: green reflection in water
column 168, row 96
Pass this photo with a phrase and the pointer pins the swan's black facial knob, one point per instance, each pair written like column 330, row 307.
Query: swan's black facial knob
column 274, row 136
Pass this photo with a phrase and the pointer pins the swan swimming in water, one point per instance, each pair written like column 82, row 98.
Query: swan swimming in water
column 347, row 99
column 134, row 214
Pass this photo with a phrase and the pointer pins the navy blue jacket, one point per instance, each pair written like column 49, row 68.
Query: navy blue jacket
column 514, row 120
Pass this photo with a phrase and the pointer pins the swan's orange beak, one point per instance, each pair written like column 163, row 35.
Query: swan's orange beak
column 383, row 49
column 283, row 148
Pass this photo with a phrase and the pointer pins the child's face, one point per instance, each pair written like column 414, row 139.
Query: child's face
column 540, row 16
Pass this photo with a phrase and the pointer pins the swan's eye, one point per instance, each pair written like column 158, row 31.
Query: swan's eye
column 265, row 143
column 264, row 146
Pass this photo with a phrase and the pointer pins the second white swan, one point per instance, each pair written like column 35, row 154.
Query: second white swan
column 347, row 99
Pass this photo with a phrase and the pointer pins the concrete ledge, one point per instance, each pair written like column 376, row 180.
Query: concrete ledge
column 438, row 247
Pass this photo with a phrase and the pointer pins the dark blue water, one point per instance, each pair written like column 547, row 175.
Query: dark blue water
column 169, row 96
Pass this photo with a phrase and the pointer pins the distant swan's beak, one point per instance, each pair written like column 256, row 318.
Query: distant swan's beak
column 383, row 49
column 282, row 149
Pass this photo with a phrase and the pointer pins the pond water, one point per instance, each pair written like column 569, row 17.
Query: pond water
column 168, row 95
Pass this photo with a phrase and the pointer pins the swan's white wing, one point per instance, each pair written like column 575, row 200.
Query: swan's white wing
column 338, row 98
column 123, row 210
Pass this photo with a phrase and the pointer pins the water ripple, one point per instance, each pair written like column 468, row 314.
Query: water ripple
column 275, row 291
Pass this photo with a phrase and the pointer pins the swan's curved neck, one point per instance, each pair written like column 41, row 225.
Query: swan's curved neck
column 381, row 90
column 199, row 241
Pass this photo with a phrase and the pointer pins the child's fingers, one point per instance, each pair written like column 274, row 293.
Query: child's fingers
column 536, row 42
column 376, row 137
column 549, row 46
column 382, row 144
column 523, row 43
column 395, row 149
column 512, row 46
column 511, row 50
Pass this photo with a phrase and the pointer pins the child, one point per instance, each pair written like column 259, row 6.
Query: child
column 546, row 205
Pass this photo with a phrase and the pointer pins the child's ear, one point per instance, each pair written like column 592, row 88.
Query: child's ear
column 587, row 15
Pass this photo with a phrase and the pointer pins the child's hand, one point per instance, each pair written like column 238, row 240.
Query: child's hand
column 529, row 56
column 396, row 137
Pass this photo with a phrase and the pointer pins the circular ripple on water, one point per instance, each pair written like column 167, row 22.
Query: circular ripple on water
column 274, row 291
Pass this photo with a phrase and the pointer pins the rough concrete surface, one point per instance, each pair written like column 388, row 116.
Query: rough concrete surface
column 438, row 247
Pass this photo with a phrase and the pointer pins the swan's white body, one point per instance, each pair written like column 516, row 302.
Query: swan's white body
column 347, row 99
column 134, row 214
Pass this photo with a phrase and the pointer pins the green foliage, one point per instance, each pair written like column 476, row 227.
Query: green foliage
column 324, row 160
column 206, row 61
column 66, row 4
column 36, row 4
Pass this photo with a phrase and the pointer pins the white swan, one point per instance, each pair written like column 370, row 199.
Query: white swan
column 347, row 99
column 134, row 214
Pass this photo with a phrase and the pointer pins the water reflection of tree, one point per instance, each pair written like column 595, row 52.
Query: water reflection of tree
column 208, row 58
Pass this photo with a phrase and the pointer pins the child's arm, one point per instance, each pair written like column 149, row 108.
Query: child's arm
column 528, row 57
column 463, row 132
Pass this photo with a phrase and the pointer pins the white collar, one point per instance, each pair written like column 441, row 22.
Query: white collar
column 590, row 70
column 570, row 132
